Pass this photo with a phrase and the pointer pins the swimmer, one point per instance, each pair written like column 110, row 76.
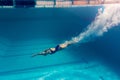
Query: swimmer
column 52, row 50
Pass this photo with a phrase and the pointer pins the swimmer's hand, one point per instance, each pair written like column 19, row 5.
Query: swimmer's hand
column 35, row 55
column 39, row 54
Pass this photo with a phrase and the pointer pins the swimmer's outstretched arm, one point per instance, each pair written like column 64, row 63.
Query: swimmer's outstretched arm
column 42, row 53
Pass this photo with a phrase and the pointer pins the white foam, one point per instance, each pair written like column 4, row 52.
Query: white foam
column 104, row 20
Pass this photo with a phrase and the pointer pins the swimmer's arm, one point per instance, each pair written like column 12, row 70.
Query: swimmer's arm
column 42, row 53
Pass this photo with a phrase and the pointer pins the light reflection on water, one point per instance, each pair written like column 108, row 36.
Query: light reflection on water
column 67, row 75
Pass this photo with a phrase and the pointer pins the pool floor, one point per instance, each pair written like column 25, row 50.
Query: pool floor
column 74, row 71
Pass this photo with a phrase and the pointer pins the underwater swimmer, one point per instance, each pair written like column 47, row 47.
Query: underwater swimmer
column 52, row 50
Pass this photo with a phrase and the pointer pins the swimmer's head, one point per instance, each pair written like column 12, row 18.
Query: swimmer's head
column 53, row 49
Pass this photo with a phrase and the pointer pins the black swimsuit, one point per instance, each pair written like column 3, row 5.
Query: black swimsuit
column 57, row 48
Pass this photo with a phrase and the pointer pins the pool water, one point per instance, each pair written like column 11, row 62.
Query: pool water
column 24, row 32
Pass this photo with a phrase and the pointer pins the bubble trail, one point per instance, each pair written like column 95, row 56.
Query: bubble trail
column 104, row 20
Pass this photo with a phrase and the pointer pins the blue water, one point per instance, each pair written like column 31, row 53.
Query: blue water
column 27, row 31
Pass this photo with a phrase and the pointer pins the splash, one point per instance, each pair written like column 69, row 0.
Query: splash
column 104, row 20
